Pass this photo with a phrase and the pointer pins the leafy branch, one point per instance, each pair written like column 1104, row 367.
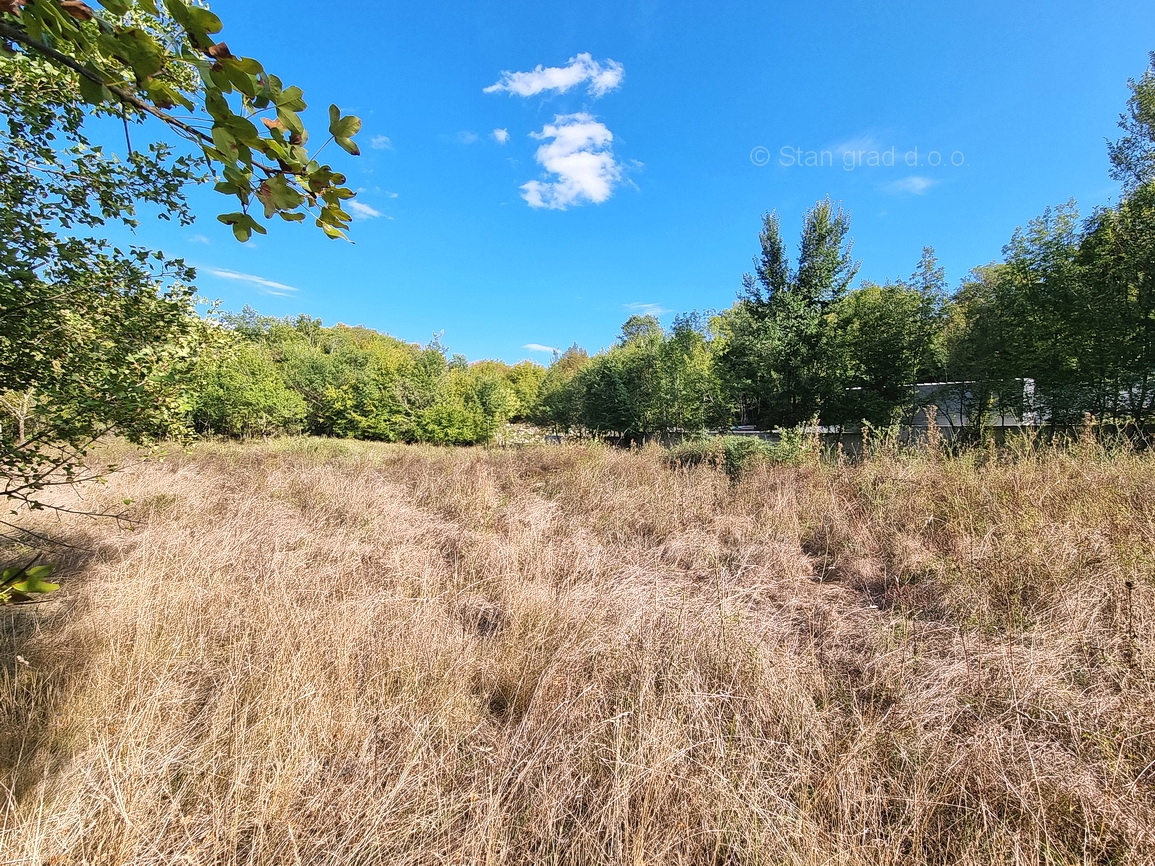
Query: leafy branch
column 119, row 62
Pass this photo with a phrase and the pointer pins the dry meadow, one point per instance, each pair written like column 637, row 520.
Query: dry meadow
column 319, row 652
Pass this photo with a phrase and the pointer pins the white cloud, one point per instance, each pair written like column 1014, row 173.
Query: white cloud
column 361, row 211
column 538, row 347
column 647, row 309
column 583, row 68
column 466, row 137
column 265, row 287
column 915, row 184
column 381, row 142
column 578, row 152
column 200, row 239
column 501, row 136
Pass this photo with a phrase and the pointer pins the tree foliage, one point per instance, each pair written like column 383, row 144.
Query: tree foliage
column 92, row 337
column 778, row 347
column 1133, row 155
column 888, row 338
column 278, row 376
column 142, row 58
column 561, row 395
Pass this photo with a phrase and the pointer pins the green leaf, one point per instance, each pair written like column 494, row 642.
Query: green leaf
column 348, row 145
column 343, row 127
column 276, row 195
column 205, row 20
column 32, row 584
column 247, row 65
column 332, row 215
column 243, row 130
column 139, row 50
column 116, row 7
column 242, row 180
column 179, row 11
column 164, row 95
column 220, row 79
column 225, row 142
column 217, row 105
column 243, row 81
column 291, row 120
column 93, row 93
column 31, row 579
column 290, row 98
column 243, row 225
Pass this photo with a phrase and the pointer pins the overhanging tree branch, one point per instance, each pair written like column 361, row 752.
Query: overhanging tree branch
column 15, row 34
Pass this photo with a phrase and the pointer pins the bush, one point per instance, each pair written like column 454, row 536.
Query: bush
column 736, row 454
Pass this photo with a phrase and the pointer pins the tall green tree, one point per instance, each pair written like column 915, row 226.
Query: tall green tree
column 237, row 390
column 621, row 387
column 690, row 395
column 561, row 397
column 778, row 351
column 1116, row 346
column 888, row 338
column 1133, row 155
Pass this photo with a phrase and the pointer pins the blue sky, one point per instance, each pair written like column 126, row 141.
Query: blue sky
column 630, row 173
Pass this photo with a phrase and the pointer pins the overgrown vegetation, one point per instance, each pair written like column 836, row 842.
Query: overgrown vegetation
column 370, row 653
column 272, row 376
column 738, row 454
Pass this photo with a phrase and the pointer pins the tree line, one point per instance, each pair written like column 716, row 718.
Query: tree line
column 263, row 376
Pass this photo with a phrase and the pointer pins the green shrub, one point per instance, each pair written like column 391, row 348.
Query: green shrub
column 736, row 454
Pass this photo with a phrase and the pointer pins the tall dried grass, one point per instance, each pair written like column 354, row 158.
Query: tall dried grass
column 322, row 652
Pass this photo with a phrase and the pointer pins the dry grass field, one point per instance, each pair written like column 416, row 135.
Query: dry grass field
column 324, row 652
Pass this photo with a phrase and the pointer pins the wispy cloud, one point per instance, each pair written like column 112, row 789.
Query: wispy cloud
column 381, row 142
column 466, row 137
column 501, row 136
column 264, row 286
column 646, row 309
column 914, row 185
column 199, row 239
column 601, row 78
column 865, row 143
column 538, row 347
column 361, row 211
column 578, row 154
